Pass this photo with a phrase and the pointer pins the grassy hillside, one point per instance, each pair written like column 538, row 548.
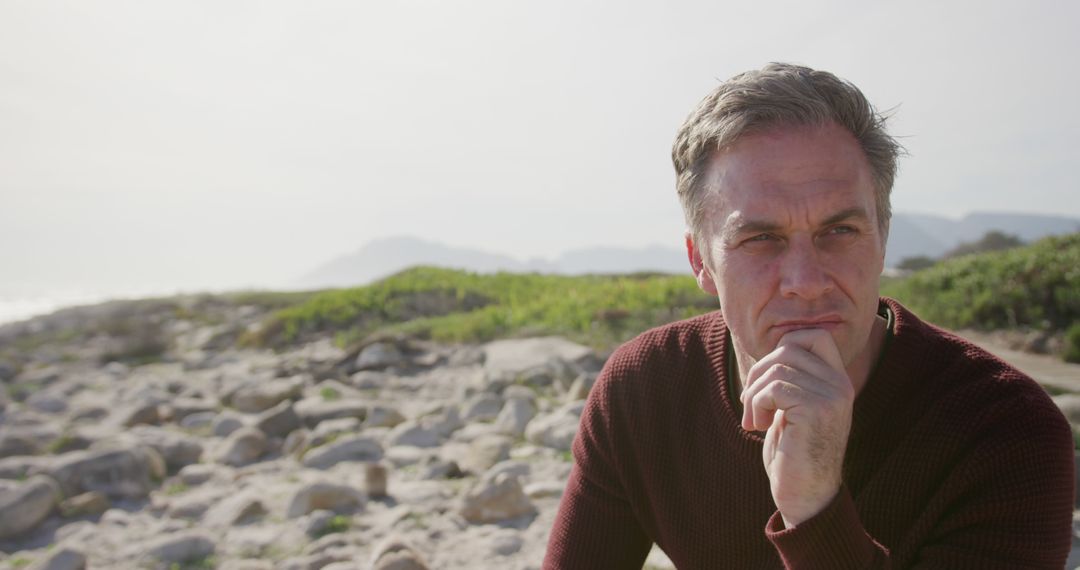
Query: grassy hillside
column 1037, row 286
column 451, row 305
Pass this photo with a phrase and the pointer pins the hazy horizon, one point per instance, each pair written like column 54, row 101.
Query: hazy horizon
column 204, row 145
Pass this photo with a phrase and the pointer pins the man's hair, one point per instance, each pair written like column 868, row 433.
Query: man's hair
column 779, row 95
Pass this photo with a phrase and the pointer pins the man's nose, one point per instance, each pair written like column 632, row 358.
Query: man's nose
column 802, row 271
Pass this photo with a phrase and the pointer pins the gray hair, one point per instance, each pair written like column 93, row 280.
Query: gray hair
column 780, row 95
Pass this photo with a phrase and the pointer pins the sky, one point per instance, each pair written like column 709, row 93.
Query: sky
column 216, row 144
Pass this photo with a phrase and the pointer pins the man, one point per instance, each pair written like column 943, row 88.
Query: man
column 807, row 423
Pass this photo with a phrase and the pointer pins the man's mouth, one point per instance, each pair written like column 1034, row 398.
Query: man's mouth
column 827, row 322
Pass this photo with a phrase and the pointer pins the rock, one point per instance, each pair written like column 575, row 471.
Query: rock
column 26, row 506
column 369, row 380
column 414, row 434
column 177, row 449
column 445, row 422
column 16, row 444
column 494, row 500
column 142, row 413
column 318, row 521
column 197, row 474
column 21, row 466
column 63, row 558
column 324, row 495
column 579, row 389
column 47, row 402
column 396, row 554
column 1070, row 406
column 296, row 442
column 506, row 543
column 355, row 448
column 438, row 468
column 234, row 510
column 182, row 547
column 278, row 421
column 482, row 408
column 257, row 396
column 466, row 356
column 199, row 420
column 518, row 355
column 378, row 356
column 242, row 447
column 181, row 408
column 519, row 469
column 84, row 504
column 124, row 473
column 329, row 430
column 225, row 423
column 484, row 452
column 545, row 490
column 383, row 416
column 557, row 429
column 375, row 476
column 515, row 416
column 313, row 411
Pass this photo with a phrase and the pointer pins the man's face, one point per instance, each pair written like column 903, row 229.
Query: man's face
column 791, row 239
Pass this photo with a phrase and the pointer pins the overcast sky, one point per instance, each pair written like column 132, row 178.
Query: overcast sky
column 218, row 144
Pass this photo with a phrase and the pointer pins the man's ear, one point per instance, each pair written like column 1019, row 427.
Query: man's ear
column 697, row 265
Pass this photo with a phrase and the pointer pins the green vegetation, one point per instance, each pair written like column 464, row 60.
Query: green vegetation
column 20, row 562
column 329, row 394
column 1072, row 344
column 176, row 489
column 1036, row 286
column 207, row 563
column 459, row 306
column 339, row 523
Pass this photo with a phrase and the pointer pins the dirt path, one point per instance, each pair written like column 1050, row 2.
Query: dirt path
column 1047, row 370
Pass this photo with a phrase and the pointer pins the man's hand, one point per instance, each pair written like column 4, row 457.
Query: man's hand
column 801, row 394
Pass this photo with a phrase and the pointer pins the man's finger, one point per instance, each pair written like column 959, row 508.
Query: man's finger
column 818, row 342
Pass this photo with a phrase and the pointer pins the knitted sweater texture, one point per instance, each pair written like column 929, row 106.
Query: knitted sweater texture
column 955, row 460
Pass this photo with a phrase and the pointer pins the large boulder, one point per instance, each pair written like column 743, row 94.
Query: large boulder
column 25, row 506
column 516, row 356
column 495, row 499
column 354, row 448
column 123, row 473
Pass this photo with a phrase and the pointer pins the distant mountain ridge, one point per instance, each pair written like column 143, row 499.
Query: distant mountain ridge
column 910, row 235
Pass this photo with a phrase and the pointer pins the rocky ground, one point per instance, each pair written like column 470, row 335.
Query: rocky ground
column 166, row 446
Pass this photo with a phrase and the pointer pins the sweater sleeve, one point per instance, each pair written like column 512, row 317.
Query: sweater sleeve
column 1010, row 503
column 596, row 526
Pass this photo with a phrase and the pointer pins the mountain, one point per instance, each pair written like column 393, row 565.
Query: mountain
column 909, row 235
column 383, row 257
column 931, row 235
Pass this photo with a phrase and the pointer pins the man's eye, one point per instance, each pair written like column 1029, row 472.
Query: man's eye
column 842, row 230
column 760, row 237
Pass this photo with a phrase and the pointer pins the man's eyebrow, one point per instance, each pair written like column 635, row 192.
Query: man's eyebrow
column 751, row 226
column 847, row 214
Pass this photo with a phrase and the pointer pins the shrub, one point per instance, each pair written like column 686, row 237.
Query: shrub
column 1072, row 344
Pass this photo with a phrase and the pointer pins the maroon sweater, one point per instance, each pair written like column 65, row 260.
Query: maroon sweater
column 955, row 460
